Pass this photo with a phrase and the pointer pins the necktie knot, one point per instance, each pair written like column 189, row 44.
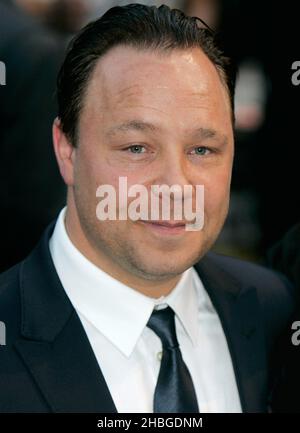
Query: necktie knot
column 162, row 322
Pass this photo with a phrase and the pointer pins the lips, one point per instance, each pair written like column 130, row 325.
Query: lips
column 166, row 223
column 165, row 228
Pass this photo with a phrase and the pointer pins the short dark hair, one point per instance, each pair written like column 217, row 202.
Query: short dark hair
column 136, row 25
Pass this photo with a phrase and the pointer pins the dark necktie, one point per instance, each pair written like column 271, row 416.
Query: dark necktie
column 174, row 392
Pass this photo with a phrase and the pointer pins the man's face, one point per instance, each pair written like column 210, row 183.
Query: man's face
column 155, row 118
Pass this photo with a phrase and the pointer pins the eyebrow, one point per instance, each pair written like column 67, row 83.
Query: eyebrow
column 138, row 125
column 133, row 125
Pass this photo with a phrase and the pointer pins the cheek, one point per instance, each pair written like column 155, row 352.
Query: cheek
column 91, row 172
column 216, row 193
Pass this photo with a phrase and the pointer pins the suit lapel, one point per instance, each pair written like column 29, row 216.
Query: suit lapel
column 240, row 315
column 54, row 346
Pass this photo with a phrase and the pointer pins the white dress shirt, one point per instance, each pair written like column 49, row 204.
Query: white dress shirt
column 114, row 317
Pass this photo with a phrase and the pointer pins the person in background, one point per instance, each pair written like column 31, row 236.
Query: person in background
column 32, row 191
column 61, row 16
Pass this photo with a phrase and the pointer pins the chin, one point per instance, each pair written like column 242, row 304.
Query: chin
column 163, row 267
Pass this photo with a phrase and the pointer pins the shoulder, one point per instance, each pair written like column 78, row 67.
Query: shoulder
column 10, row 307
column 9, row 282
column 252, row 273
column 10, row 299
column 276, row 295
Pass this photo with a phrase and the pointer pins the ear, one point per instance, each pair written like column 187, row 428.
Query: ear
column 64, row 152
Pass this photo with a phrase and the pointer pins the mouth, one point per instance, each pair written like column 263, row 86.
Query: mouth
column 166, row 227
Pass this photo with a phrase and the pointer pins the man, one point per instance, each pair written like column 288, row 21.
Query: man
column 135, row 315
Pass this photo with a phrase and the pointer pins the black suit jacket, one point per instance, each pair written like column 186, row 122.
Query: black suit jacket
column 48, row 365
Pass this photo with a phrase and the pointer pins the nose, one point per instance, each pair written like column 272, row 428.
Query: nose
column 173, row 169
column 172, row 172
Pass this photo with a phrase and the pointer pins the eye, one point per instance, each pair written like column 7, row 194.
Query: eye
column 201, row 151
column 136, row 148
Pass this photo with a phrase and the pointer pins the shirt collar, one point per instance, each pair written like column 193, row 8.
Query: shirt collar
column 119, row 312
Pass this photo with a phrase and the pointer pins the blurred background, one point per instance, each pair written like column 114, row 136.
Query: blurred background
column 33, row 38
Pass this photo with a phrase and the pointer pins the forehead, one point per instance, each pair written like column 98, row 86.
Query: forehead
column 128, row 77
column 122, row 65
